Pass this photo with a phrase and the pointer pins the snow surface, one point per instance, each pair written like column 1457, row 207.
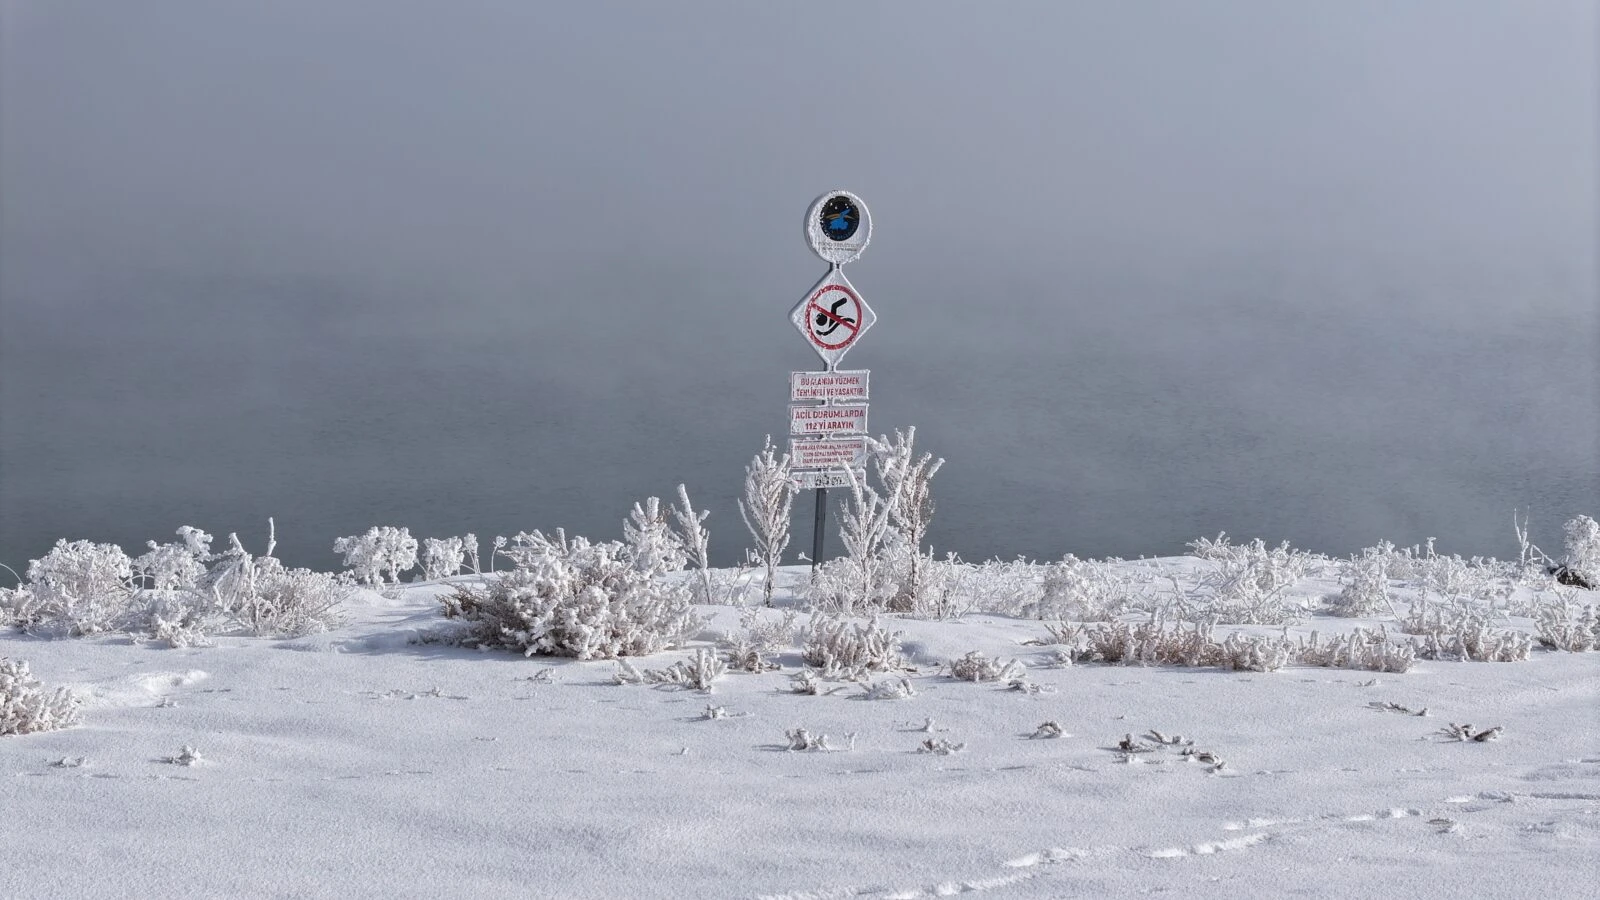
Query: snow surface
column 360, row 763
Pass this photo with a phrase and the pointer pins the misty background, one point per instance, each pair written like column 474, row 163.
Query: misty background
column 1316, row 272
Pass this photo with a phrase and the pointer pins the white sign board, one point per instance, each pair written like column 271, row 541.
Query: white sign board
column 828, row 454
column 827, row 478
column 838, row 227
column 832, row 317
column 827, row 420
column 842, row 386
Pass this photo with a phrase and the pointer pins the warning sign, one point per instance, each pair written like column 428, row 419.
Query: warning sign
column 828, row 454
column 832, row 317
column 822, row 420
column 826, row 478
column 834, row 386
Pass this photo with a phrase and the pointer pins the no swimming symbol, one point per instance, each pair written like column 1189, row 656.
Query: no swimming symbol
column 834, row 316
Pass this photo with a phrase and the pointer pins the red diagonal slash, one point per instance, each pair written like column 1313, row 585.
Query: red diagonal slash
column 852, row 328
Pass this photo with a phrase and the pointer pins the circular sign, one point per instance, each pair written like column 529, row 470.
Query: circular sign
column 838, row 227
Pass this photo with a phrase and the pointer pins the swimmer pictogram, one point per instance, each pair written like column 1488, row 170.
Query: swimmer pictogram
column 832, row 316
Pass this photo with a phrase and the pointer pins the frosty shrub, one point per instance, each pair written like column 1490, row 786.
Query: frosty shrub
column 1461, row 632
column 850, row 650
column 1361, row 649
column 895, row 689
column 183, row 618
column 651, row 543
column 25, row 706
column 380, row 555
column 169, row 567
column 1565, row 625
column 765, row 507
column 1366, row 585
column 761, row 638
column 1583, row 550
column 576, row 598
column 1084, row 591
column 79, row 588
column 695, row 539
column 1248, row 586
column 1007, row 588
column 941, row 583
column 908, row 493
column 445, row 557
column 698, row 672
column 267, row 599
column 1152, row 643
column 856, row 584
column 975, row 667
column 1452, row 577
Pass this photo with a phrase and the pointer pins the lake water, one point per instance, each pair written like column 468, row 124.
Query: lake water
column 1084, row 412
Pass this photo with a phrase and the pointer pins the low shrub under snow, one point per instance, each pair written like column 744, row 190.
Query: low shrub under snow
column 575, row 598
column 26, row 707
column 843, row 649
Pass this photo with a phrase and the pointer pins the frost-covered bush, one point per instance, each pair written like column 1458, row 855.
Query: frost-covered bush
column 843, row 649
column 765, row 507
column 1460, row 631
column 974, row 666
column 695, row 539
column 1583, row 549
column 1361, row 649
column 26, row 707
column 908, row 492
column 1565, row 625
column 1249, row 584
column 183, row 618
column 267, row 599
column 576, row 598
column 1240, row 652
column 651, row 543
column 941, row 584
column 891, row 689
column 445, row 557
column 1005, row 587
column 856, row 584
column 1153, row 643
column 169, row 567
column 760, row 639
column 1085, row 590
column 79, row 588
column 699, row 672
column 380, row 555
column 1366, row 585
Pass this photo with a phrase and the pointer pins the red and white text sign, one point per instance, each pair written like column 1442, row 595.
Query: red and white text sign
column 841, row 386
column 828, row 454
column 826, row 420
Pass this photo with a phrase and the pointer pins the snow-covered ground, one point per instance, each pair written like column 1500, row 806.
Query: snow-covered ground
column 361, row 763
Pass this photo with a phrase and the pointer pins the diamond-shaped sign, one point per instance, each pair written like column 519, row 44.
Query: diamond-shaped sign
column 832, row 316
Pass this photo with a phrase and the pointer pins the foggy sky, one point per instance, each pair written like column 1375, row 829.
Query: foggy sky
column 1361, row 224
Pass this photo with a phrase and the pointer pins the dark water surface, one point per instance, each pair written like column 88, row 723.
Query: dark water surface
column 1086, row 416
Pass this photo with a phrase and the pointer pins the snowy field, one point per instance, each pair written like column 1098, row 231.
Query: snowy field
column 372, row 761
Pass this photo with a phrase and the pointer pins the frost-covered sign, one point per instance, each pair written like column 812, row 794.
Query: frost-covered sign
column 828, row 408
column 827, row 420
column 838, row 386
column 828, row 478
column 838, row 227
column 832, row 317
column 833, row 453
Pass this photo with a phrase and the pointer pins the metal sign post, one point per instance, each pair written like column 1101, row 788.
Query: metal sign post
column 827, row 406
